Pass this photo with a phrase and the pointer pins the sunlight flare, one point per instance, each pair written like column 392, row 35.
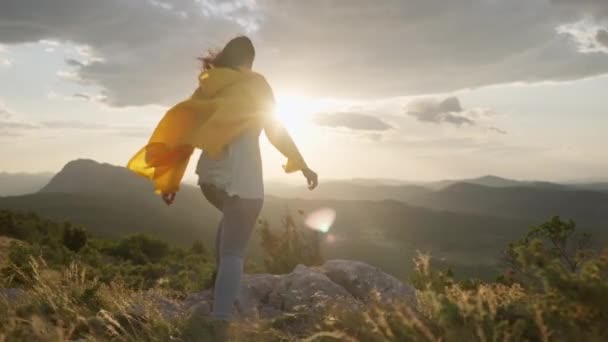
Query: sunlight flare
column 321, row 219
column 296, row 111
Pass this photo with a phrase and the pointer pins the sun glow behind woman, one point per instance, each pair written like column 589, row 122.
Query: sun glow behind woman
column 296, row 112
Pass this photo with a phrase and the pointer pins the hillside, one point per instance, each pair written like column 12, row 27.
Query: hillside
column 466, row 224
column 4, row 245
column 499, row 197
column 117, row 203
column 64, row 284
column 378, row 232
column 343, row 190
column 586, row 207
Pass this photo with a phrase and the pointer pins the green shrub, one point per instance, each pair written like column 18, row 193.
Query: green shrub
column 74, row 238
column 293, row 245
column 555, row 288
column 140, row 249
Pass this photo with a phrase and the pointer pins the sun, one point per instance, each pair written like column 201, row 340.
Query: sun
column 296, row 112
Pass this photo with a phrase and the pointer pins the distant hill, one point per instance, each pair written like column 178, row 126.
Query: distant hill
column 345, row 190
column 385, row 233
column 493, row 197
column 493, row 182
column 599, row 186
column 466, row 224
column 85, row 175
column 520, row 202
column 13, row 184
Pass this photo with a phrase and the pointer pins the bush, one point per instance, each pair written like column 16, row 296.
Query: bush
column 138, row 261
column 74, row 238
column 140, row 249
column 556, row 289
column 294, row 245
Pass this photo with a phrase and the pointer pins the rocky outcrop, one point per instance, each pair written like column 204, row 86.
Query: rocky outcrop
column 306, row 290
column 344, row 283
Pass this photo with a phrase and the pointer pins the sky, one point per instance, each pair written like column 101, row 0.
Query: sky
column 393, row 89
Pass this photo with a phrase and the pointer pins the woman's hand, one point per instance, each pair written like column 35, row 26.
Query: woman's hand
column 311, row 178
column 169, row 198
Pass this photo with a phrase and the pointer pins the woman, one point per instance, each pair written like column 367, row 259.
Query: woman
column 232, row 180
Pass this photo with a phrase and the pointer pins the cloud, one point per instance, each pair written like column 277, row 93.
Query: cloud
column 602, row 37
column 87, row 97
column 498, row 130
column 55, row 124
column 72, row 124
column 595, row 8
column 15, row 125
column 82, row 96
column 589, row 37
column 12, row 126
column 145, row 50
column 413, row 47
column 148, row 51
column 351, row 120
column 69, row 76
column 448, row 111
column 5, row 112
column 74, row 62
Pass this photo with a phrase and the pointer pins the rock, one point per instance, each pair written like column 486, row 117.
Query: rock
column 201, row 309
column 308, row 289
column 195, row 298
column 255, row 293
column 360, row 279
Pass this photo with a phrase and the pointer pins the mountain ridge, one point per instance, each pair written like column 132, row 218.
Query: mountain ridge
column 467, row 224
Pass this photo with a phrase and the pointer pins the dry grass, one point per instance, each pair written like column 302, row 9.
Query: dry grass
column 76, row 306
column 4, row 244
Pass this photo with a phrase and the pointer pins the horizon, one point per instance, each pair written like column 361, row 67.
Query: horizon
column 441, row 104
column 383, row 181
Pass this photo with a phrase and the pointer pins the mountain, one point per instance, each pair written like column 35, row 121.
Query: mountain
column 110, row 201
column 85, row 175
column 493, row 182
column 599, row 186
column 466, row 224
column 489, row 195
column 13, row 184
column 587, row 207
column 345, row 190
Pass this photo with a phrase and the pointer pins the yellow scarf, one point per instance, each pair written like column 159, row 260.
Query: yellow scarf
column 227, row 103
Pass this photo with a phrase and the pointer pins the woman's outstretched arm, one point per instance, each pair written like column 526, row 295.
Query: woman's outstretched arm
column 279, row 138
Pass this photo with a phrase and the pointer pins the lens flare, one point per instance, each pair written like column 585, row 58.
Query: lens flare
column 321, row 219
column 331, row 238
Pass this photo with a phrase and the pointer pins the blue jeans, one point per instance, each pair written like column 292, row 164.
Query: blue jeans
column 233, row 235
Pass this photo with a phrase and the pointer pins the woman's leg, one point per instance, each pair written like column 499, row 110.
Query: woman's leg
column 218, row 243
column 216, row 197
column 240, row 216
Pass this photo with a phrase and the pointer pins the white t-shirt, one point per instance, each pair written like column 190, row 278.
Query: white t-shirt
column 238, row 170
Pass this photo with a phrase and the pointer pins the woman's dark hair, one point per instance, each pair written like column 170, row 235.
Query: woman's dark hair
column 239, row 51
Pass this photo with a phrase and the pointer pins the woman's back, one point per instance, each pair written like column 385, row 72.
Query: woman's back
column 238, row 170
